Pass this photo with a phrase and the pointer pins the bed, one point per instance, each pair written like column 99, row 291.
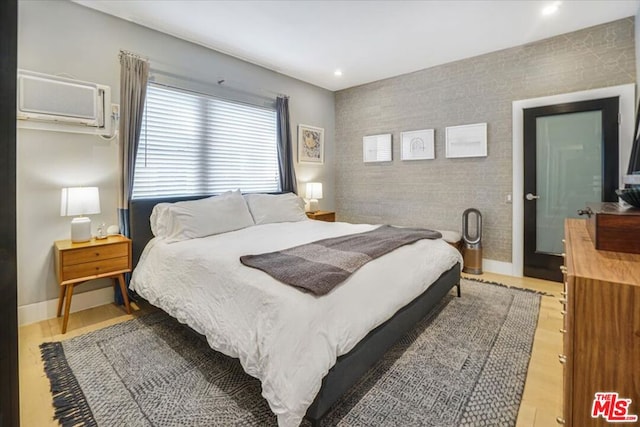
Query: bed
column 306, row 350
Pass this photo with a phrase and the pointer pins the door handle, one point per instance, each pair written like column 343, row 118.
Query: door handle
column 530, row 196
column 588, row 212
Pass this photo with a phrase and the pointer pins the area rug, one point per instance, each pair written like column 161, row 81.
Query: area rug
column 463, row 365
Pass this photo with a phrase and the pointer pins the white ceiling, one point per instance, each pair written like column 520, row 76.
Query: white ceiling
column 367, row 40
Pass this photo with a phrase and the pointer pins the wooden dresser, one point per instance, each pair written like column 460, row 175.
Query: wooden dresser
column 601, row 350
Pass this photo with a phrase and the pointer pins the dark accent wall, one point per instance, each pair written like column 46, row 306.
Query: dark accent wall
column 9, row 406
column 434, row 193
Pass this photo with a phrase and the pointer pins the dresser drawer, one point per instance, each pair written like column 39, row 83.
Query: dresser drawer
column 95, row 268
column 567, row 352
column 89, row 254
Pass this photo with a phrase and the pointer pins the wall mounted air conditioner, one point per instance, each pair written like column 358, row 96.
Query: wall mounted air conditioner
column 61, row 104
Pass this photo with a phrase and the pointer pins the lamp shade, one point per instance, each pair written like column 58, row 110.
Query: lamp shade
column 79, row 201
column 314, row 190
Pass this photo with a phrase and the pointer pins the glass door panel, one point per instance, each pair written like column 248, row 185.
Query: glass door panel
column 569, row 172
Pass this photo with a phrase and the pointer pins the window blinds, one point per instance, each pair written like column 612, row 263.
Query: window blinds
column 193, row 144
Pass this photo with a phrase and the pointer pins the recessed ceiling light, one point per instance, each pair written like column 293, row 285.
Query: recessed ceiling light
column 337, row 73
column 552, row 8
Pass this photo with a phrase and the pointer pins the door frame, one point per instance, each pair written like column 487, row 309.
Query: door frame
column 626, row 93
column 9, row 388
column 547, row 265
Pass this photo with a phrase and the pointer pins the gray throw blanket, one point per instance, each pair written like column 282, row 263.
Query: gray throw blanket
column 320, row 266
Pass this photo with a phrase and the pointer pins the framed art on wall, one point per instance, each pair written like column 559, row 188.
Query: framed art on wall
column 310, row 144
column 418, row 144
column 466, row 141
column 376, row 148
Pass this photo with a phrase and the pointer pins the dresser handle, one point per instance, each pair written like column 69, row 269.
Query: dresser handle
column 563, row 331
column 562, row 358
column 564, row 294
column 562, row 300
column 563, row 255
column 563, row 269
column 560, row 420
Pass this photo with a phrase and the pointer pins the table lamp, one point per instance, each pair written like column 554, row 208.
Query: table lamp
column 78, row 202
column 314, row 192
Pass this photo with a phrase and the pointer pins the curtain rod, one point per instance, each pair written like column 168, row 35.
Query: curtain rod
column 135, row 55
column 210, row 85
column 236, row 85
column 221, row 81
column 266, row 105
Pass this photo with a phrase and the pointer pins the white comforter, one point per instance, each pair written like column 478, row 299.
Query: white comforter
column 284, row 337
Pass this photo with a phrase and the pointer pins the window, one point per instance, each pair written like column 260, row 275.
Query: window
column 194, row 144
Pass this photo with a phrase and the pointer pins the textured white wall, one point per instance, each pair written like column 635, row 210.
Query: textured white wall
column 434, row 193
column 60, row 37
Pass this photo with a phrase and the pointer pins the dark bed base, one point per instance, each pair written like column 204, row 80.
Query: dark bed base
column 349, row 368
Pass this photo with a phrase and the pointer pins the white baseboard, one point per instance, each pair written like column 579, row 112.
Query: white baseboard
column 44, row 310
column 498, row 267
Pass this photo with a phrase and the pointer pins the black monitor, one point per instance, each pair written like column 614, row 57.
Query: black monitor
column 634, row 159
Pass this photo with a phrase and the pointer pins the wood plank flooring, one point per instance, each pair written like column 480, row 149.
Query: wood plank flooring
column 541, row 403
column 542, row 398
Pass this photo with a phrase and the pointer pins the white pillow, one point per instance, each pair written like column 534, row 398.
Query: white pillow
column 200, row 218
column 268, row 208
column 158, row 219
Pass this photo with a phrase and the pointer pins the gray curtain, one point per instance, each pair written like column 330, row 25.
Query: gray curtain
column 134, row 74
column 285, row 147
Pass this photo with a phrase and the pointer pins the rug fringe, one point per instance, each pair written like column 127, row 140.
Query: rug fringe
column 490, row 282
column 70, row 404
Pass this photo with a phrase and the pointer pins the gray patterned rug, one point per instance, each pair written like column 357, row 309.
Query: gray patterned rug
column 464, row 365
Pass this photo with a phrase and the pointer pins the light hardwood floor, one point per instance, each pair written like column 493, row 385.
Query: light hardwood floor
column 541, row 401
column 542, row 398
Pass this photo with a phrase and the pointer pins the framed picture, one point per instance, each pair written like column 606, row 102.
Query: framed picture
column 310, row 144
column 466, row 141
column 418, row 144
column 376, row 148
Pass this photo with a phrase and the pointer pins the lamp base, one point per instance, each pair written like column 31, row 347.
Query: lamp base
column 313, row 205
column 80, row 229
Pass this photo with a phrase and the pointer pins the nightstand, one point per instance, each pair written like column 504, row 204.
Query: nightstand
column 77, row 263
column 322, row 216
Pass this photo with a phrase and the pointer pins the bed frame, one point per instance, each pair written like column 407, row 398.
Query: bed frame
column 350, row 367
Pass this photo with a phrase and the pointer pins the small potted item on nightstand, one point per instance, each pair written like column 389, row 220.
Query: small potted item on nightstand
column 102, row 231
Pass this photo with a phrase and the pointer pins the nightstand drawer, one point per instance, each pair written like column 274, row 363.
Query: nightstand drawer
column 88, row 254
column 94, row 268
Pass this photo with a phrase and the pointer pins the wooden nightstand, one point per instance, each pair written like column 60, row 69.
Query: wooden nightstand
column 77, row 263
column 322, row 216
